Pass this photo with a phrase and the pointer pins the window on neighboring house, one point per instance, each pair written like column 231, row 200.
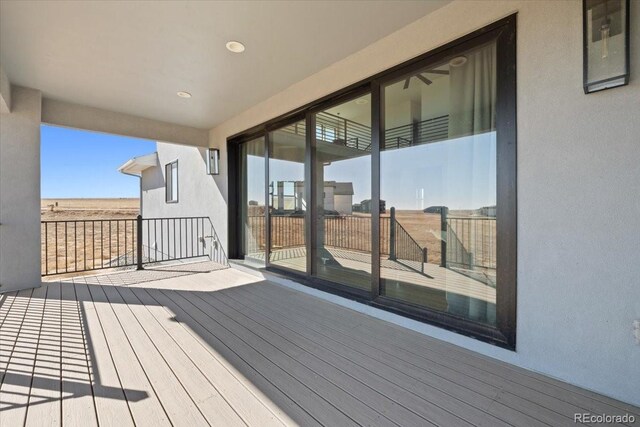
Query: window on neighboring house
column 171, row 182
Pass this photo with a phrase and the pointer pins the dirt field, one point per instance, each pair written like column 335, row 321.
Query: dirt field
column 91, row 242
column 77, row 209
column 86, row 242
column 354, row 233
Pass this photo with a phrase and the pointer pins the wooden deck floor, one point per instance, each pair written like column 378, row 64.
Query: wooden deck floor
column 222, row 349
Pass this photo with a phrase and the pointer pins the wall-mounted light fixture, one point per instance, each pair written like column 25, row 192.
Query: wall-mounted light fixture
column 213, row 161
column 605, row 34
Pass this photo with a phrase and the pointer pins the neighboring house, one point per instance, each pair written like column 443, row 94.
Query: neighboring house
column 488, row 211
column 339, row 197
column 137, row 167
column 342, row 197
column 188, row 190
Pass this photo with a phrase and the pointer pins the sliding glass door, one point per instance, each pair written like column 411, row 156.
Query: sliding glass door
column 398, row 191
column 287, row 197
column 252, row 196
column 343, row 193
column 438, row 182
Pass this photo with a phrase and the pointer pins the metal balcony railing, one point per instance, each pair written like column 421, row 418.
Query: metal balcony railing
column 84, row 245
column 334, row 129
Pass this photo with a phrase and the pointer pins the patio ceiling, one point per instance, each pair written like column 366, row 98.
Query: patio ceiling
column 133, row 57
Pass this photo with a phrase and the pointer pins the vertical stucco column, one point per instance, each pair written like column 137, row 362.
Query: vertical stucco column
column 20, row 191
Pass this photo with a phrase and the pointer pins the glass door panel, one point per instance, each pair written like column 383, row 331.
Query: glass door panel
column 438, row 187
column 287, row 198
column 252, row 207
column 343, row 185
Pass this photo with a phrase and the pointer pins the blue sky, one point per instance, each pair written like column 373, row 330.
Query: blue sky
column 78, row 163
column 458, row 173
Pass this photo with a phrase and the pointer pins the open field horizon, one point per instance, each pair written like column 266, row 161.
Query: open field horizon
column 86, row 215
column 73, row 245
column 61, row 209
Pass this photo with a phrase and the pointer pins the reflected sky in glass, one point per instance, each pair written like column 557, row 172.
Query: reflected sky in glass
column 459, row 173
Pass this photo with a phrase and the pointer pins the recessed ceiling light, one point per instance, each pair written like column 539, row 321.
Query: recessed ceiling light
column 235, row 47
column 183, row 94
column 458, row 61
column 362, row 101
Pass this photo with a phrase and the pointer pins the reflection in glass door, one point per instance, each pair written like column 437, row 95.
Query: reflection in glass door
column 343, row 188
column 287, row 199
column 438, row 183
column 252, row 208
column 398, row 197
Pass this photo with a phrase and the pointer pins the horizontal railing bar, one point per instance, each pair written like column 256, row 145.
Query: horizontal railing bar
column 472, row 218
column 177, row 217
column 435, row 119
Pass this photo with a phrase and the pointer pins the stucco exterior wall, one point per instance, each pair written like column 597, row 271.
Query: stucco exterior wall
column 195, row 188
column 578, row 181
column 20, row 191
column 343, row 204
column 199, row 194
column 60, row 113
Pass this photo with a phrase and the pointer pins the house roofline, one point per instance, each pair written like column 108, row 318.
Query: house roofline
column 136, row 165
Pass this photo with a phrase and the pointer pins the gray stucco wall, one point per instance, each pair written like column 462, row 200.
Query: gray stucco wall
column 20, row 191
column 195, row 187
column 578, row 186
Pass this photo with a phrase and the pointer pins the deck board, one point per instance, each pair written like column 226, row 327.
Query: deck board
column 426, row 352
column 6, row 302
column 242, row 362
column 141, row 397
column 276, row 374
column 111, row 404
column 238, row 393
column 465, row 388
column 20, row 333
column 204, row 395
column 176, row 401
column 320, row 377
column 368, row 385
column 15, row 309
column 78, row 405
column 45, row 397
column 357, row 358
column 223, row 348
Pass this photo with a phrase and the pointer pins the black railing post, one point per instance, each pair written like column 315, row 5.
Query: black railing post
column 424, row 258
column 139, row 242
column 443, row 236
column 392, row 234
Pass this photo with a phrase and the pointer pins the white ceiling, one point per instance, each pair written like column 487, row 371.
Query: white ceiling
column 132, row 57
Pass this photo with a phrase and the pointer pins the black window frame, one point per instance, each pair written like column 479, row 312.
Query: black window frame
column 169, row 179
column 504, row 334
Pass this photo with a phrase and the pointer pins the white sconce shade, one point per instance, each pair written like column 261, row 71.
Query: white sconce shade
column 213, row 161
